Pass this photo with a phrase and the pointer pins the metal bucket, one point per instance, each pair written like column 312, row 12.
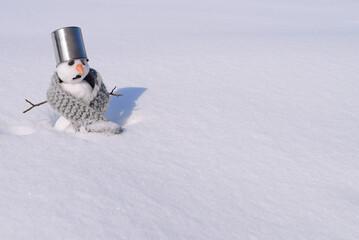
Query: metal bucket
column 68, row 44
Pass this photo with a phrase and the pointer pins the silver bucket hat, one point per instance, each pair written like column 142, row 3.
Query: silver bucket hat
column 68, row 44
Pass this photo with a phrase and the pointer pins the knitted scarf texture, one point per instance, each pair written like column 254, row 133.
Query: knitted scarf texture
column 78, row 112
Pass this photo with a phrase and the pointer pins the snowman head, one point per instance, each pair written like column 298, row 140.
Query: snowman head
column 70, row 54
column 73, row 71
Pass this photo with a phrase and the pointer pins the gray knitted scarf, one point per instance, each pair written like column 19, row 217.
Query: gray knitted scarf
column 77, row 111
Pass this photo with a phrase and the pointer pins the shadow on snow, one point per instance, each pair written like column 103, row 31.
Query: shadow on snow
column 121, row 108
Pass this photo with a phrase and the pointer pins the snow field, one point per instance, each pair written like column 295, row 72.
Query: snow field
column 240, row 122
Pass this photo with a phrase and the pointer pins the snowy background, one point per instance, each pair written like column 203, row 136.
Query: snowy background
column 240, row 118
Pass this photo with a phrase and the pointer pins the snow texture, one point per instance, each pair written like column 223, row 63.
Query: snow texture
column 240, row 121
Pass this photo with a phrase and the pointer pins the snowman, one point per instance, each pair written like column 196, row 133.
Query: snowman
column 77, row 91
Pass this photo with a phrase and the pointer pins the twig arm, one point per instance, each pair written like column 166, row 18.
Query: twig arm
column 33, row 105
column 39, row 104
column 117, row 95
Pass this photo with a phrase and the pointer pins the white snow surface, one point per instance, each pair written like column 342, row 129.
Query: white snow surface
column 240, row 119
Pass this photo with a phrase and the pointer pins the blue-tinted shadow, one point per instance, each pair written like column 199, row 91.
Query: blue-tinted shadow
column 121, row 108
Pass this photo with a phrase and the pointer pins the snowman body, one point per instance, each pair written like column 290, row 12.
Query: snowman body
column 88, row 99
column 72, row 74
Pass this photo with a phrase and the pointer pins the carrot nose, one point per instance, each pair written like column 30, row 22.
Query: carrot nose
column 80, row 68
